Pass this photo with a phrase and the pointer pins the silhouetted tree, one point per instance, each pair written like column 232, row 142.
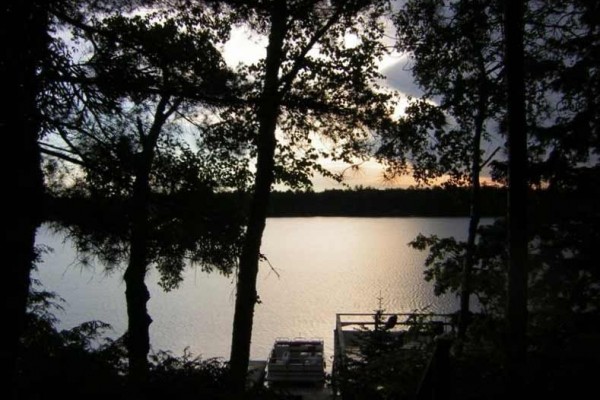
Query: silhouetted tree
column 24, row 49
column 309, row 82
column 560, row 113
column 457, row 63
column 516, row 315
column 120, row 132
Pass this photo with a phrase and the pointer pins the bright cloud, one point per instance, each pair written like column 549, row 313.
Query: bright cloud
column 246, row 48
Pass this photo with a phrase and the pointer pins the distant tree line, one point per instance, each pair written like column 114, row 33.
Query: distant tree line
column 421, row 202
column 360, row 202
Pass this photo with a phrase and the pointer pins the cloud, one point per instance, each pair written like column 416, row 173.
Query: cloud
column 396, row 69
column 244, row 47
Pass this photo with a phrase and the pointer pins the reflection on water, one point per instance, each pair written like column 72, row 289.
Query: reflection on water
column 318, row 267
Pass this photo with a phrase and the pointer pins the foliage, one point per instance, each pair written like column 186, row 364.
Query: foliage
column 391, row 363
column 128, row 147
column 444, row 265
column 562, row 97
column 456, row 60
column 120, row 97
column 565, row 167
column 330, row 98
column 69, row 363
column 185, row 376
column 562, row 303
column 197, row 228
column 83, row 362
column 563, row 77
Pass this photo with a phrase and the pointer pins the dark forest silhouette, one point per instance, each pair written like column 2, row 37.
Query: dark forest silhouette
column 94, row 153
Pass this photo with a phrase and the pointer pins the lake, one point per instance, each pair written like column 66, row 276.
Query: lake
column 318, row 267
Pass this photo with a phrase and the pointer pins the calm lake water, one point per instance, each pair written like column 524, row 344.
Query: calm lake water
column 324, row 266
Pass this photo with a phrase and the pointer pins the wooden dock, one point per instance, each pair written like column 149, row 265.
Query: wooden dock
column 351, row 328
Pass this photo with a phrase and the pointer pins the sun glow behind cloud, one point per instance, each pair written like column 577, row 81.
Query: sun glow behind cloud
column 369, row 173
column 244, row 48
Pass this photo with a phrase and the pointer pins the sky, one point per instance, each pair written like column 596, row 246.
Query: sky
column 243, row 48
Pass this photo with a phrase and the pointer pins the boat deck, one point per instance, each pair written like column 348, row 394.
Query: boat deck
column 296, row 360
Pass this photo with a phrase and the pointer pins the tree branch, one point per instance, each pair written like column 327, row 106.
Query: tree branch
column 60, row 155
column 300, row 60
column 487, row 160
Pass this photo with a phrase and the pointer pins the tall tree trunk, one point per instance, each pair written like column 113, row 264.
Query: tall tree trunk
column 136, row 292
column 23, row 42
column 475, row 212
column 475, row 216
column 517, row 196
column 268, row 112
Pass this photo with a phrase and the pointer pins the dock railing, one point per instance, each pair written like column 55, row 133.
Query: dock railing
column 350, row 326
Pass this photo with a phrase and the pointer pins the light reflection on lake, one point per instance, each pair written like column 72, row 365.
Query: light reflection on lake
column 319, row 267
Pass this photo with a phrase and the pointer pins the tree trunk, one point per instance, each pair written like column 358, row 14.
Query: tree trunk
column 475, row 216
column 517, row 196
column 23, row 36
column 475, row 213
column 268, row 112
column 136, row 292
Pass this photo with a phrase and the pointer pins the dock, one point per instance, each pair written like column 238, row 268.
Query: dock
column 411, row 330
column 291, row 377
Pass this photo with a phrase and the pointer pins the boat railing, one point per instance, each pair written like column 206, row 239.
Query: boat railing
column 298, row 339
column 299, row 360
column 296, row 350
